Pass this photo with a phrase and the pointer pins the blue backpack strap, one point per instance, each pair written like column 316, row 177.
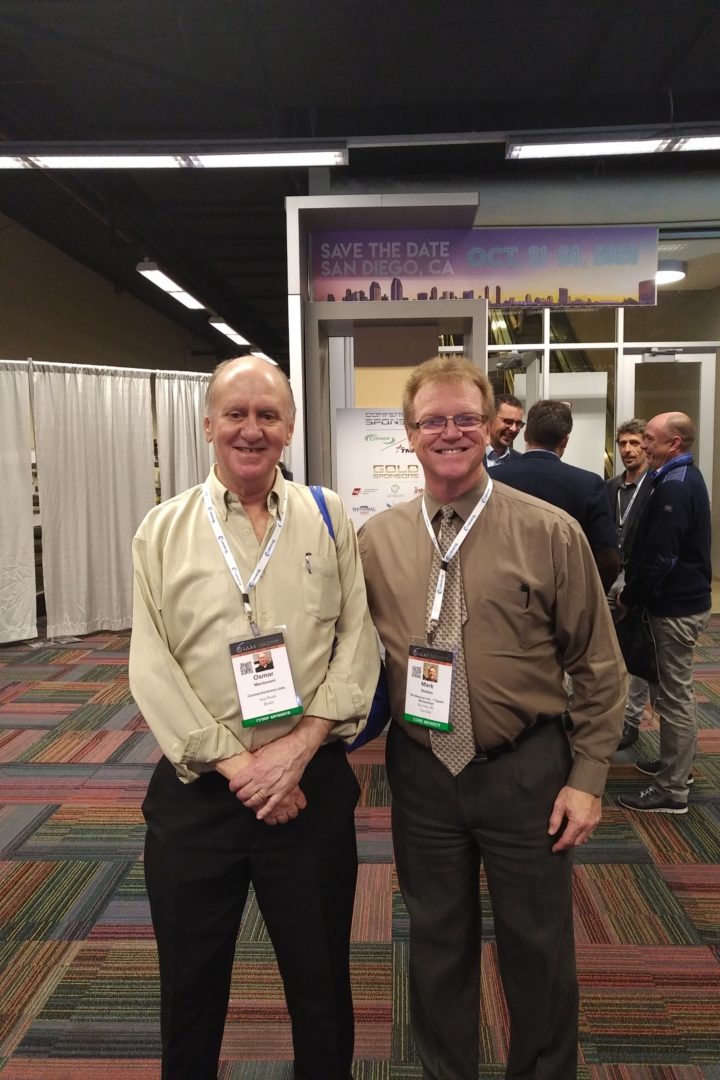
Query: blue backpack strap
column 319, row 496
column 379, row 716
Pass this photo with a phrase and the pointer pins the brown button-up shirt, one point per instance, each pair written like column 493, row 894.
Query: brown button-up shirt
column 535, row 606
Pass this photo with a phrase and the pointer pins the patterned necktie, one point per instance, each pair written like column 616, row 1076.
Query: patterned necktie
column 457, row 747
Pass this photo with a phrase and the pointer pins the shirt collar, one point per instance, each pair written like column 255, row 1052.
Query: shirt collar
column 673, row 463
column 632, row 483
column 463, row 505
column 223, row 499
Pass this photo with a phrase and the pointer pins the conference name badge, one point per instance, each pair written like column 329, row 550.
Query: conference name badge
column 429, row 686
column 263, row 679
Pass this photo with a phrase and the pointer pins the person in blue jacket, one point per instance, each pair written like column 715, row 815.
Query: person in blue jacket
column 670, row 574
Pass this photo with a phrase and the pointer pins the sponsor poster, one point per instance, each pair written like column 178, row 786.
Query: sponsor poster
column 514, row 267
column 375, row 467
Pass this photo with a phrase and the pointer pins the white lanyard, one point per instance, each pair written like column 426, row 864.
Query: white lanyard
column 451, row 552
column 262, row 562
column 622, row 518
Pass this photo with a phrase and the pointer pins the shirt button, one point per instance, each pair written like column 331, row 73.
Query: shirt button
column 246, row 532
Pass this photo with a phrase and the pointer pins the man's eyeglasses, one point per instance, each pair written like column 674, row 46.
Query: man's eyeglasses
column 432, row 425
column 519, row 424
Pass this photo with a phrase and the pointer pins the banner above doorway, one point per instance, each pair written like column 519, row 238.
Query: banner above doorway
column 514, row 267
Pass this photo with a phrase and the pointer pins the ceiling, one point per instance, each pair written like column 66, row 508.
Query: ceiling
column 154, row 70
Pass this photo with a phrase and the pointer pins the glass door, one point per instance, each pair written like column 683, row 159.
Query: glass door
column 652, row 383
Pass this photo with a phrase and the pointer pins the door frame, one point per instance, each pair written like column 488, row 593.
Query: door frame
column 625, row 398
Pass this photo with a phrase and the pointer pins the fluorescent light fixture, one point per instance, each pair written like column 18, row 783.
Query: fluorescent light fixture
column 700, row 142
column 151, row 271
column 188, row 300
column 670, row 270
column 263, row 356
column 90, row 161
column 106, row 161
column 598, row 147
column 589, row 142
column 270, row 159
column 228, row 331
column 204, row 154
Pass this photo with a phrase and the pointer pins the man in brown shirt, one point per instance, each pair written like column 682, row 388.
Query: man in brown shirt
column 518, row 793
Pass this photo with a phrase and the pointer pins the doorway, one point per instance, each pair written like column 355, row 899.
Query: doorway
column 651, row 383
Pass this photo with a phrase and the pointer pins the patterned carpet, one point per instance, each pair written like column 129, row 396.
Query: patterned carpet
column 78, row 977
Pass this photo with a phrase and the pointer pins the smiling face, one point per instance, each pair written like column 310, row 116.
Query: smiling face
column 249, row 425
column 505, row 428
column 660, row 443
column 451, row 459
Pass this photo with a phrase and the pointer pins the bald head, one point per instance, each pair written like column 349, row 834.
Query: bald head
column 667, row 436
column 230, row 371
column 679, row 423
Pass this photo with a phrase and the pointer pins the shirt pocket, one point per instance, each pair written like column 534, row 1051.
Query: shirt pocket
column 321, row 587
column 513, row 619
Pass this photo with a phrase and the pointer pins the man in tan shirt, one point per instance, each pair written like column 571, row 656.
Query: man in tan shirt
column 494, row 779
column 247, row 561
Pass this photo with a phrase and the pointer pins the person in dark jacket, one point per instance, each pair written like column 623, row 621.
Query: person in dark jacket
column 540, row 472
column 628, row 493
column 670, row 574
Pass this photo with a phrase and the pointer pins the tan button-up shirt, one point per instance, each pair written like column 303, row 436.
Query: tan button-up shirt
column 535, row 607
column 187, row 610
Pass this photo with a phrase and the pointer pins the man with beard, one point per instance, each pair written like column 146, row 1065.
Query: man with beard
column 628, row 493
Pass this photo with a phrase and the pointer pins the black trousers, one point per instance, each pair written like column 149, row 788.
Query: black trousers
column 494, row 812
column 203, row 849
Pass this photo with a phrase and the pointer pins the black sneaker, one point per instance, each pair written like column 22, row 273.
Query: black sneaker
column 652, row 801
column 651, row 767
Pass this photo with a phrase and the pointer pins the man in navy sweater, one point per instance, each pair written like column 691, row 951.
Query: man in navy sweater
column 670, row 574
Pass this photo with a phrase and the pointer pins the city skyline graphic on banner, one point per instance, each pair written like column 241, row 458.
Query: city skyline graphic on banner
column 508, row 267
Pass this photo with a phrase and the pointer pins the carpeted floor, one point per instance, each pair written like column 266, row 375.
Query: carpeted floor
column 78, row 977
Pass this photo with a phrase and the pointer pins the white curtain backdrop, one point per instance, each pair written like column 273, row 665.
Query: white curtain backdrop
column 17, row 557
column 184, row 456
column 93, row 431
